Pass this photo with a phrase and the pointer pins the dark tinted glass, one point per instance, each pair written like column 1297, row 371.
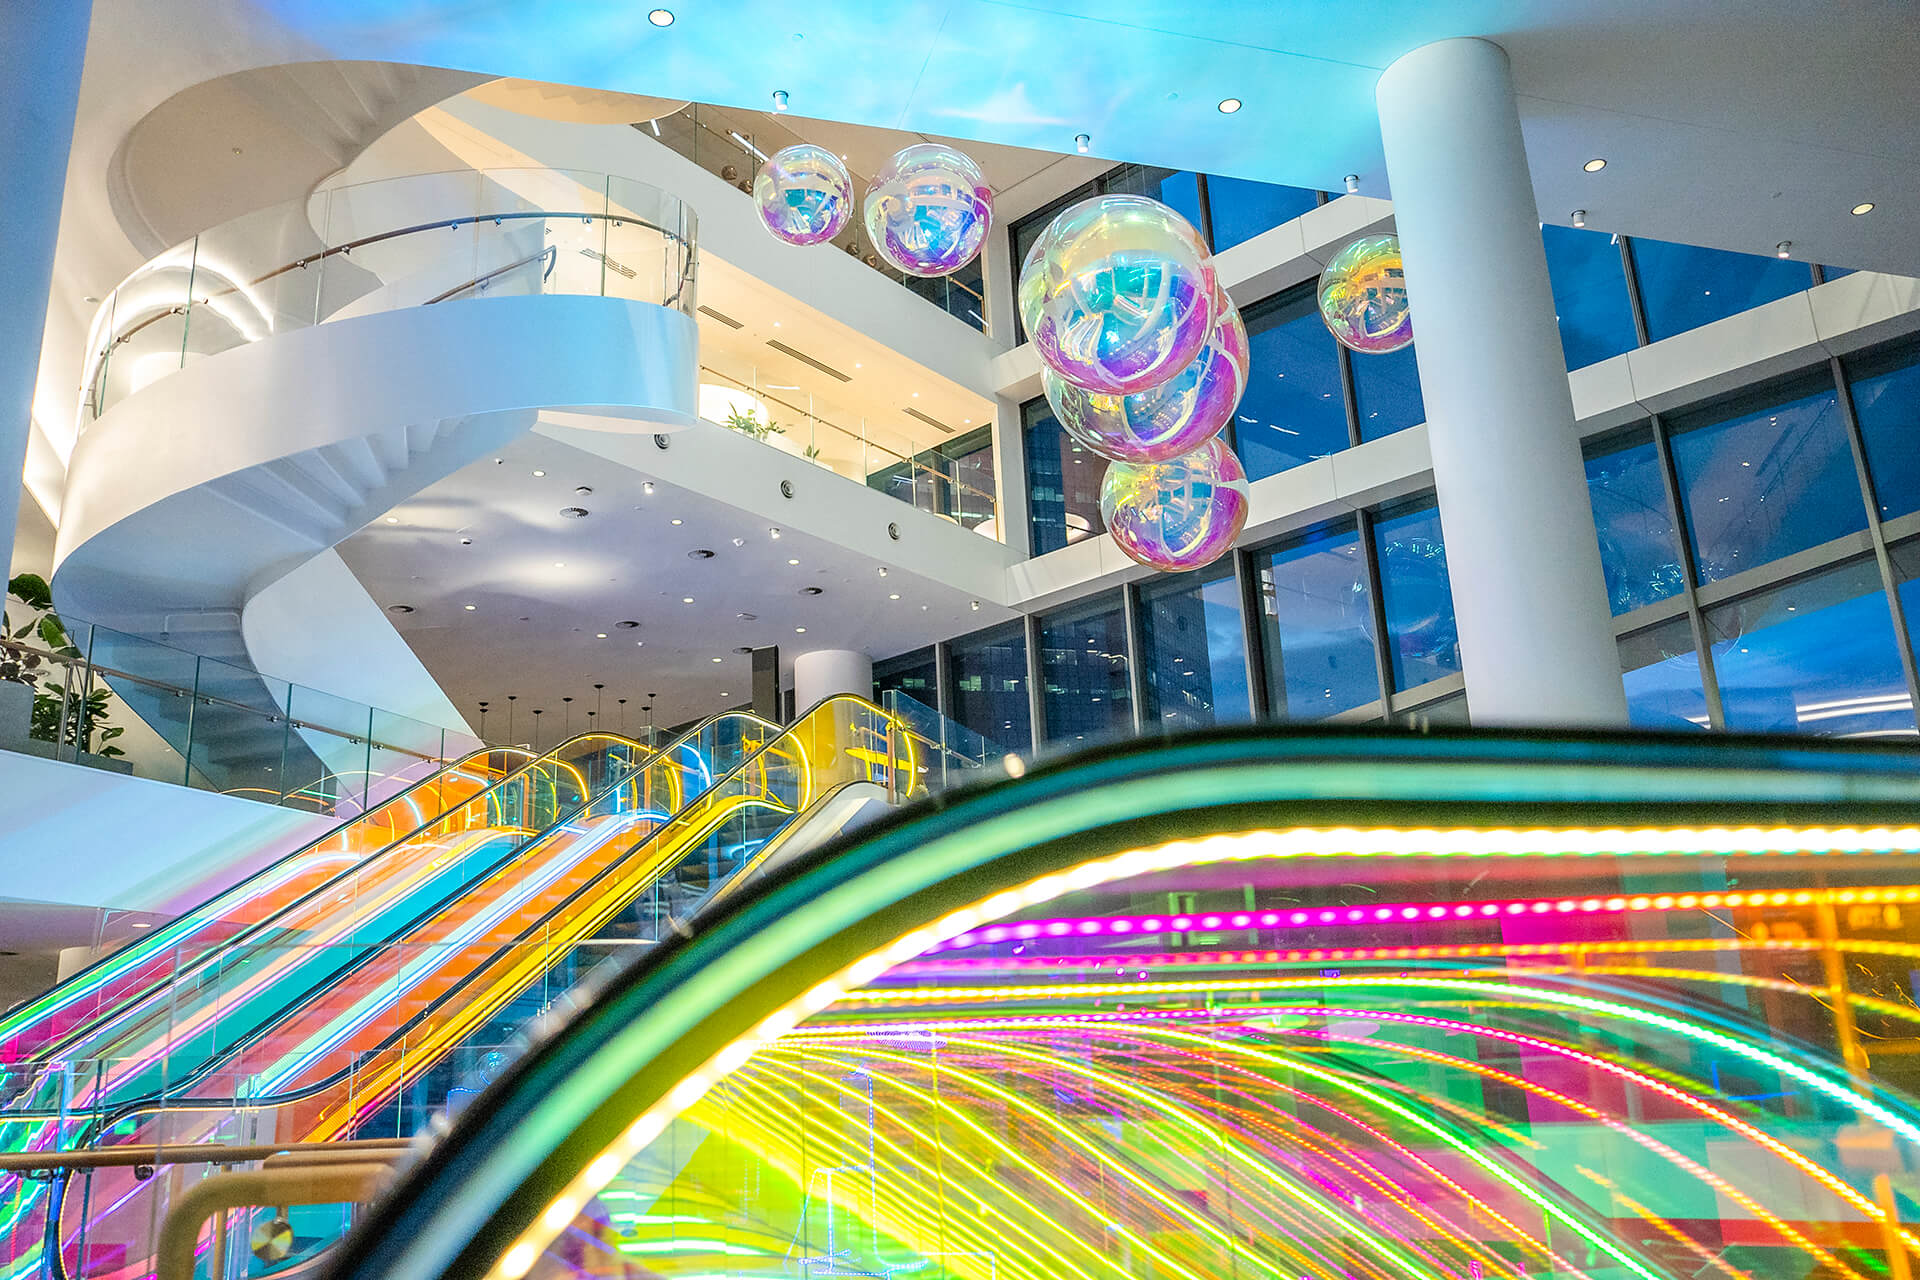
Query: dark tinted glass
column 1589, row 294
column 1683, row 286
column 1886, row 399
column 989, row 674
column 1169, row 186
column 1193, row 658
column 1293, row 410
column 1834, row 273
column 1765, row 477
column 1242, row 209
column 1083, row 674
column 1417, row 596
column 911, row 674
column 1063, row 482
column 1316, row 625
column 1386, row 393
column 1638, row 549
column 1661, row 670
column 1814, row 656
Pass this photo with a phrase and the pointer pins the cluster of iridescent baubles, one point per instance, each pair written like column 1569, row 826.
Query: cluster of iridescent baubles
column 1143, row 360
column 927, row 211
column 1363, row 297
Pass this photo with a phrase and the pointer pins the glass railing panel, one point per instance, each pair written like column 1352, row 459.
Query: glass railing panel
column 540, row 231
column 240, row 743
column 403, row 751
column 943, row 752
column 399, row 242
column 329, row 749
column 149, row 326
column 155, row 682
column 651, row 248
column 256, row 276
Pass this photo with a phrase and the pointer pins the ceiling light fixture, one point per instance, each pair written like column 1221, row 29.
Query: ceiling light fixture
column 793, row 562
column 469, row 607
column 647, row 488
column 599, row 635
column 1229, row 105
column 883, row 571
column 393, row 519
column 686, row 599
column 676, row 521
column 811, row 591
column 975, row 604
column 1595, row 165
column 1082, row 143
column 893, row 595
column 1579, row 217
column 774, row 533
column 799, row 631
column 539, row 473
column 1353, row 184
column 1863, row 208
column 559, row 564
column 700, row 553
column 1784, row 249
column 779, row 100
column 574, row 513
column 716, row 659
column 399, row 608
column 661, row 17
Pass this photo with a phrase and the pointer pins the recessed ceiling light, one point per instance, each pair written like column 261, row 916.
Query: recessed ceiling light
column 811, row 591
column 626, row 625
column 716, row 659
column 539, row 473
column 686, row 599
column 143, row 924
column 639, row 644
column 799, row 631
column 469, row 607
column 677, row 521
column 661, row 17
column 599, row 635
column 393, row 519
column 1595, row 165
column 857, row 364
column 700, row 553
column 1864, row 207
column 399, row 608
column 559, row 564
column 793, row 562
column 574, row 513
column 1229, row 105
column 739, row 542
column 893, row 595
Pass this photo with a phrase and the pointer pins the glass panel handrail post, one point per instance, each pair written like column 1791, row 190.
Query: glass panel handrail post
column 366, row 769
column 193, row 705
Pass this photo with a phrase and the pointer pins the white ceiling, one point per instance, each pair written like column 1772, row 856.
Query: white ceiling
column 546, row 589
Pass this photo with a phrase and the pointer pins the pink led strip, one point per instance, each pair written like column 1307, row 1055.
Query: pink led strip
column 1419, row 912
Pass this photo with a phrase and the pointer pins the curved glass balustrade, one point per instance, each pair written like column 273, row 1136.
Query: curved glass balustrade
column 1252, row 1003
column 378, row 246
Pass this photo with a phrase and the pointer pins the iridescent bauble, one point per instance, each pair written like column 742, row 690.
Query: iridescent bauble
column 928, row 209
column 1363, row 297
column 1166, row 421
column 1178, row 514
column 1117, row 294
column 804, row 194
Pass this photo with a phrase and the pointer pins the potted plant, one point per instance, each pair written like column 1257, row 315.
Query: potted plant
column 34, row 682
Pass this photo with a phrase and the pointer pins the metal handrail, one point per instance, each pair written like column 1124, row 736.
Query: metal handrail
column 189, row 1153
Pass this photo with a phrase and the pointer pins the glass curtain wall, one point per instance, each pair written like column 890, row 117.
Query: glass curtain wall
column 987, row 674
column 1085, row 685
column 1317, row 624
column 1193, row 650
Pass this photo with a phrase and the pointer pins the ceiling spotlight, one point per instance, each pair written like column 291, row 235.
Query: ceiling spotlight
column 893, row 595
column 811, row 591
column 539, row 473
column 1353, row 184
column 393, row 519
column 779, row 100
column 1863, row 208
column 799, row 631
column 793, row 562
column 661, row 17
column 599, row 635
column 1784, row 249
column 739, row 542
column 639, row 644
column 1229, row 105
column 883, row 571
column 466, row 542
column 774, row 533
column 676, row 521
column 1579, row 217
column 1594, row 165
column 583, row 490
column 686, row 599
column 975, row 605
column 717, row 659
column 647, row 488
column 1082, row 143
column 469, row 607
column 747, row 617
column 559, row 564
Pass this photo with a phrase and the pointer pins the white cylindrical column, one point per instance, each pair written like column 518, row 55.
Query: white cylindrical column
column 819, row 675
column 1536, row 636
column 41, row 49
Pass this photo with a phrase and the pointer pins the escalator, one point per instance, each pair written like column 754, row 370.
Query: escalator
column 327, row 1040
column 1261, row 1003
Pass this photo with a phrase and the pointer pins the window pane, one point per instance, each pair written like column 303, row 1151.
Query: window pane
column 1886, row 399
column 1316, row 626
column 1661, row 670
column 1830, row 274
column 1083, row 674
column 1192, row 655
column 1242, row 209
column 1386, row 393
column 1063, row 482
column 1293, row 411
column 990, row 686
column 1416, row 596
column 1638, row 549
column 1169, row 186
column 1683, row 286
column 1763, row 482
column 1906, row 577
column 1589, row 294
column 1814, row 656
column 911, row 674
column 1450, row 710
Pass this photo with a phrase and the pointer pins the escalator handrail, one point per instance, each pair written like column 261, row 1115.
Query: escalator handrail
column 160, row 939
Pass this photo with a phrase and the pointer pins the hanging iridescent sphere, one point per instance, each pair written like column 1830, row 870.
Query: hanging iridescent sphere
column 1178, row 514
column 1117, row 294
column 1166, row 421
column 928, row 209
column 1363, row 297
column 804, row 194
